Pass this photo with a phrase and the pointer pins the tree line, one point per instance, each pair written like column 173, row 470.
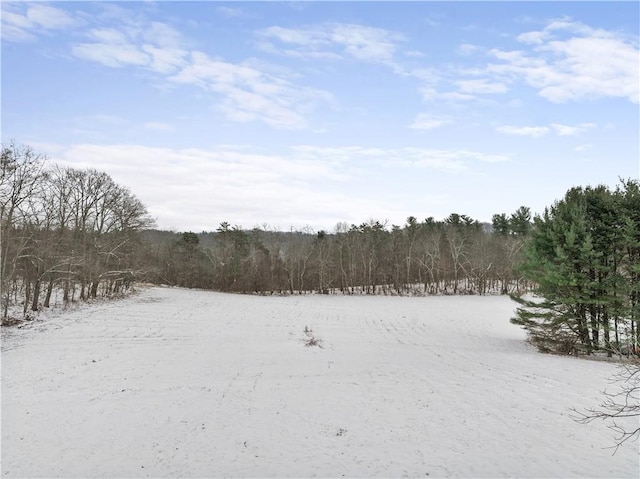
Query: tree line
column 457, row 255
column 63, row 228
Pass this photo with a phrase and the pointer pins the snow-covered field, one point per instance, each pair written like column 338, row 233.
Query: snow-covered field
column 180, row 383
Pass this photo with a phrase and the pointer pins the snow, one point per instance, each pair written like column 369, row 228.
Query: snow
column 184, row 383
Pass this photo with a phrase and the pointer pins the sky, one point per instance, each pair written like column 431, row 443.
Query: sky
column 305, row 114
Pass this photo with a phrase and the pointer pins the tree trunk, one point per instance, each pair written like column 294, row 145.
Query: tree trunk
column 595, row 327
column 47, row 298
column 27, row 296
column 607, row 336
column 583, row 328
column 94, row 289
column 36, row 295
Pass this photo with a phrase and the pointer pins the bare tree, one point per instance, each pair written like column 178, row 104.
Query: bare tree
column 62, row 225
column 322, row 250
column 620, row 409
column 20, row 175
column 481, row 261
column 297, row 255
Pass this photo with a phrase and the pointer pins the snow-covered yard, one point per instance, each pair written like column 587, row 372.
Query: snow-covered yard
column 181, row 383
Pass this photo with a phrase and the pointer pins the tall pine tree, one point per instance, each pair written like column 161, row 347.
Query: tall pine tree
column 583, row 255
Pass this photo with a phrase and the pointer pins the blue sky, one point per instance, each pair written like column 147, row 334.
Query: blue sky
column 296, row 114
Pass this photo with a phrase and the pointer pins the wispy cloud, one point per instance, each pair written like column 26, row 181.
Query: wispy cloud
column 567, row 130
column 532, row 131
column 570, row 61
column 457, row 85
column 539, row 131
column 445, row 161
column 244, row 91
column 430, row 94
column 467, row 49
column 427, row 122
column 156, row 47
column 25, row 21
column 251, row 94
column 334, row 41
column 112, row 55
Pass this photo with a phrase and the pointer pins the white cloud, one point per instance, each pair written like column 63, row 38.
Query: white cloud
column 566, row 130
column 335, row 40
column 245, row 91
column 165, row 60
column 532, row 131
column 108, row 35
column 13, row 33
column 533, row 37
column 570, row 61
column 457, row 89
column 467, row 49
column 111, row 55
column 428, row 122
column 161, row 34
column 430, row 94
column 155, row 47
column 24, row 22
column 366, row 43
column 243, row 106
column 251, row 94
column 567, row 24
column 48, row 17
column 310, row 38
column 539, row 131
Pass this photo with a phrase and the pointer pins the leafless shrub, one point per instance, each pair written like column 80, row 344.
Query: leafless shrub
column 310, row 339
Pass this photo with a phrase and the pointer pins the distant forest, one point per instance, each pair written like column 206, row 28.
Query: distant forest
column 457, row 255
column 78, row 234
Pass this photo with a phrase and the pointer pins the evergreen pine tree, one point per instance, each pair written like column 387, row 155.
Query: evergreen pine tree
column 584, row 257
column 500, row 224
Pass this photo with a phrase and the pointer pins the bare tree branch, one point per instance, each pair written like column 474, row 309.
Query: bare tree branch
column 620, row 408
